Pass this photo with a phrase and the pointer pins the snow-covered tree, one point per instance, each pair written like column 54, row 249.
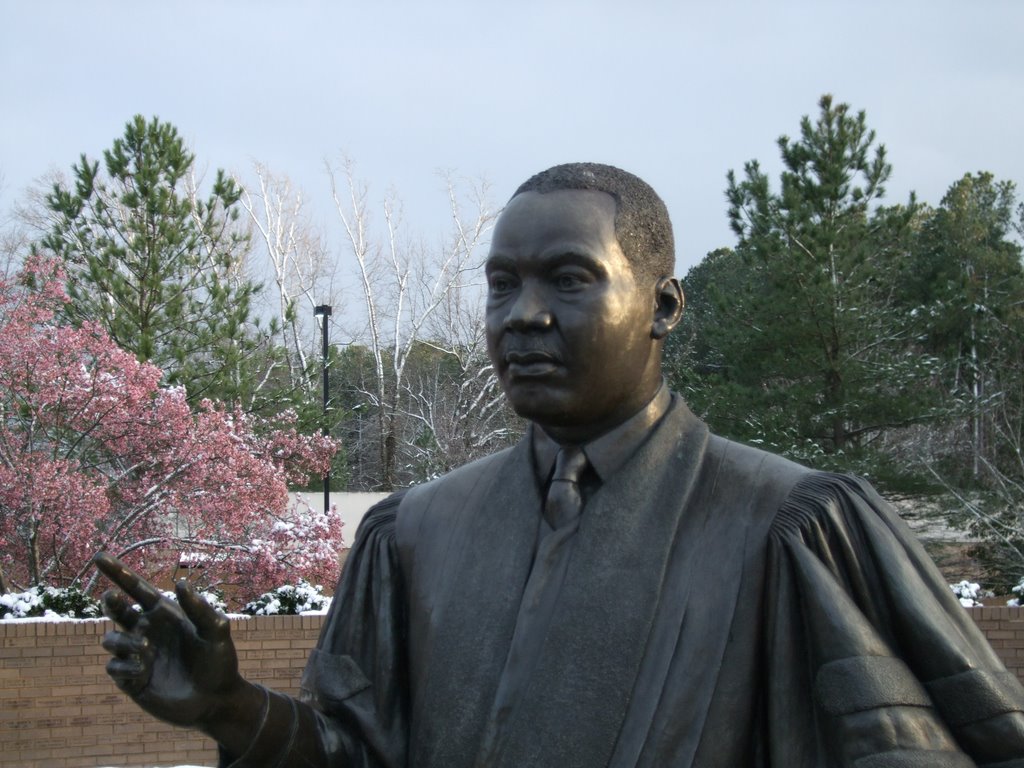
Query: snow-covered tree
column 95, row 455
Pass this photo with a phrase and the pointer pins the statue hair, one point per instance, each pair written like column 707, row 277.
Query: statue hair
column 642, row 224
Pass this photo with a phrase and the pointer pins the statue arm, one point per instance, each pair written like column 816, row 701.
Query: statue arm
column 859, row 615
column 292, row 734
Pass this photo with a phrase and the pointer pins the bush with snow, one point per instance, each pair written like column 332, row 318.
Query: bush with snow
column 49, row 602
column 289, row 600
column 969, row 593
column 1019, row 591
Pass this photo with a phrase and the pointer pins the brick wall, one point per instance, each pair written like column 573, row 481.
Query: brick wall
column 1004, row 628
column 58, row 708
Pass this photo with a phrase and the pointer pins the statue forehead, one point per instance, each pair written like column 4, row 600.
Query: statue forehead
column 561, row 213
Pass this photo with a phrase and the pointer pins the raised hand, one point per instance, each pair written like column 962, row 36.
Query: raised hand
column 176, row 660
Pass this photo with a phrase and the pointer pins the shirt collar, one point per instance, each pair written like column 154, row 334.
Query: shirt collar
column 609, row 452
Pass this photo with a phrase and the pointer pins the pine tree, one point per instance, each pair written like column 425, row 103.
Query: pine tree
column 161, row 269
column 969, row 287
column 808, row 335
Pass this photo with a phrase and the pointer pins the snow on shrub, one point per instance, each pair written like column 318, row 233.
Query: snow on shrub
column 969, row 593
column 1019, row 591
column 289, row 600
column 49, row 602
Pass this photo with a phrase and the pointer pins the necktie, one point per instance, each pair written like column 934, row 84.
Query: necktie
column 564, row 502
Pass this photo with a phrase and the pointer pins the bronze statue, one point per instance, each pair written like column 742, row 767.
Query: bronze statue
column 621, row 588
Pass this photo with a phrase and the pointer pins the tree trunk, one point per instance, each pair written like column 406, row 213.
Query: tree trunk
column 33, row 556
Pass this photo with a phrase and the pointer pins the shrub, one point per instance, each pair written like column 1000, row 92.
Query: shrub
column 1019, row 592
column 53, row 602
column 289, row 600
column 211, row 596
column 969, row 593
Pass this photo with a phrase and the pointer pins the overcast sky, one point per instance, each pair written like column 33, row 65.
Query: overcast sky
column 677, row 92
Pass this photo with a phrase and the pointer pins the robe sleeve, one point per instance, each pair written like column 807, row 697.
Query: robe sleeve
column 353, row 707
column 871, row 659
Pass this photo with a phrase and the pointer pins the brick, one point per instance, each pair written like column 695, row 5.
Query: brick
column 275, row 645
column 36, row 651
column 20, row 704
column 64, row 711
column 67, row 650
column 97, row 689
column 999, row 634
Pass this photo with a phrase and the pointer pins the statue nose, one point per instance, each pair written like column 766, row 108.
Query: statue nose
column 529, row 311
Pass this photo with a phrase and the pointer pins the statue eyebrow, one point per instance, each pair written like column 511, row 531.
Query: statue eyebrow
column 569, row 256
column 556, row 258
column 498, row 261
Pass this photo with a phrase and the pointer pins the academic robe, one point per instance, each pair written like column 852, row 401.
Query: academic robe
column 722, row 607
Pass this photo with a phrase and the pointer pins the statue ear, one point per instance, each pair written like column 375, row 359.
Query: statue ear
column 668, row 310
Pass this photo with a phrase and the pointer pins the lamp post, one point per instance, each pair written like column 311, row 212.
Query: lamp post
column 323, row 311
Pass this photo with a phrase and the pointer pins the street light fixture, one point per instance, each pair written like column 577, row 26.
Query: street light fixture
column 322, row 312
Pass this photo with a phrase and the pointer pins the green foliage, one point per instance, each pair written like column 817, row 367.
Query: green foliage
column 161, row 269
column 967, row 281
column 967, row 287
column 887, row 341
column 795, row 339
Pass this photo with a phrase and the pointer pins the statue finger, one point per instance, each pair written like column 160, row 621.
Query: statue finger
column 130, row 674
column 210, row 623
column 119, row 609
column 123, row 645
column 140, row 590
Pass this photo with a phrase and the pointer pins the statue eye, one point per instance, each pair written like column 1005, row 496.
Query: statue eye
column 571, row 280
column 500, row 283
column 568, row 282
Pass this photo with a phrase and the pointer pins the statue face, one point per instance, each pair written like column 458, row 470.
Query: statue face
column 568, row 329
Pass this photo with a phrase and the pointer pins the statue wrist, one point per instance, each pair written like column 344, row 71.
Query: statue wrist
column 237, row 715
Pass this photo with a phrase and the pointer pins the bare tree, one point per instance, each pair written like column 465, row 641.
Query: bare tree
column 454, row 408
column 25, row 220
column 297, row 256
column 13, row 236
column 413, row 297
column 455, row 411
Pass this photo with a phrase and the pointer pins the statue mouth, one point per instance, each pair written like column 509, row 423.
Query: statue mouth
column 528, row 356
column 530, row 363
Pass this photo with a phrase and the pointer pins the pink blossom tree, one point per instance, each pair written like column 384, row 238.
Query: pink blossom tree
column 95, row 455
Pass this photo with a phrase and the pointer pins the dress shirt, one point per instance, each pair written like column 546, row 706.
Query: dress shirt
column 607, row 453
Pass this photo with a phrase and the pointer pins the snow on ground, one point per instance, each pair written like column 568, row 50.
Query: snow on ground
column 927, row 522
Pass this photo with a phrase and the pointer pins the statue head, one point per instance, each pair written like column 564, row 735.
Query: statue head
column 575, row 325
